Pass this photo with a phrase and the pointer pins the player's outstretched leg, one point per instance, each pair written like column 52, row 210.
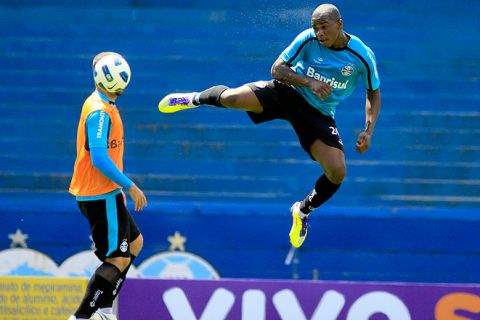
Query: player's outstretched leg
column 182, row 101
column 299, row 229
column 176, row 102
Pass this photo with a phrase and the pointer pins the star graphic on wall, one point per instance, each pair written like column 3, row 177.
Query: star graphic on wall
column 18, row 239
column 177, row 242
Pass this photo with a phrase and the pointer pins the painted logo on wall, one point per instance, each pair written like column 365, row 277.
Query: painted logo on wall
column 176, row 263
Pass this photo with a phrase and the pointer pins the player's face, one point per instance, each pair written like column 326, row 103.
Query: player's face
column 326, row 31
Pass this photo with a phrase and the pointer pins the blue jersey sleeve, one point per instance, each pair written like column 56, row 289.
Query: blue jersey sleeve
column 105, row 165
column 98, row 126
column 370, row 77
column 294, row 52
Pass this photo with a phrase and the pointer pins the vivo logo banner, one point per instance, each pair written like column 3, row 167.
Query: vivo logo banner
column 295, row 300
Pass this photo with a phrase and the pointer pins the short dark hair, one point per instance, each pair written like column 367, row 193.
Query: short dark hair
column 326, row 11
column 101, row 55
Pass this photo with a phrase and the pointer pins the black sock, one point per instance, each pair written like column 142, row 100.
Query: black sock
column 210, row 96
column 99, row 289
column 324, row 190
column 118, row 284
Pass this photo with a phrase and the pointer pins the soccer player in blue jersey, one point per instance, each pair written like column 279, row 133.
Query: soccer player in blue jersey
column 316, row 72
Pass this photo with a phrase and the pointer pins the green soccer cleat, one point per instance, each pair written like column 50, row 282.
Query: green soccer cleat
column 299, row 229
column 176, row 102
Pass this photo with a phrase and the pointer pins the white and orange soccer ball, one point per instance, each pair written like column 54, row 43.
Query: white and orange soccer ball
column 112, row 73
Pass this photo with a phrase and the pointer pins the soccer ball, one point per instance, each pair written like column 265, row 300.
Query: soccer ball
column 112, row 73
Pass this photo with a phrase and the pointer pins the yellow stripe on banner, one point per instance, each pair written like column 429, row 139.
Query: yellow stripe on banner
column 40, row 298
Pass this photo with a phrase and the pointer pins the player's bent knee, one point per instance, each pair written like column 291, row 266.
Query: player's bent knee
column 120, row 262
column 337, row 175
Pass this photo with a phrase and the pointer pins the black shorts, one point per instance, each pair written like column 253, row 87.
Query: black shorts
column 281, row 101
column 111, row 225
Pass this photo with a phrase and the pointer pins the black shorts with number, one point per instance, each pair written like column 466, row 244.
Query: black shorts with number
column 111, row 225
column 281, row 101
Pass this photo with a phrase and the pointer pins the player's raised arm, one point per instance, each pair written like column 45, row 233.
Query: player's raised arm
column 281, row 71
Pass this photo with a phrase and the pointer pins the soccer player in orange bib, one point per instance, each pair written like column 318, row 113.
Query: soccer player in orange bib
column 97, row 183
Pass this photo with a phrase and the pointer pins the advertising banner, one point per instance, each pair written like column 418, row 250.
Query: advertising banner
column 295, row 300
column 39, row 298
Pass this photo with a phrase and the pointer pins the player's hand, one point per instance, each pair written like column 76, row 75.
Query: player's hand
column 138, row 197
column 321, row 89
column 363, row 142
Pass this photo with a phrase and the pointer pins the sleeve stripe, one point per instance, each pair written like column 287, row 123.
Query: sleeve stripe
column 109, row 130
column 299, row 49
column 87, row 146
column 369, row 74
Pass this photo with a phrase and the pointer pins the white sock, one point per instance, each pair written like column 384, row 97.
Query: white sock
column 195, row 96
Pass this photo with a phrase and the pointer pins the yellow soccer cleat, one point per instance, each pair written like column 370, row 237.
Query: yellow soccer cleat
column 176, row 102
column 299, row 229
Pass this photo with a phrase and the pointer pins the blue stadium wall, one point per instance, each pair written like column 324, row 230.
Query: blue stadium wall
column 409, row 209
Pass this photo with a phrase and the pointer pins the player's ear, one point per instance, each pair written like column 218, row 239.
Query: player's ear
column 339, row 24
